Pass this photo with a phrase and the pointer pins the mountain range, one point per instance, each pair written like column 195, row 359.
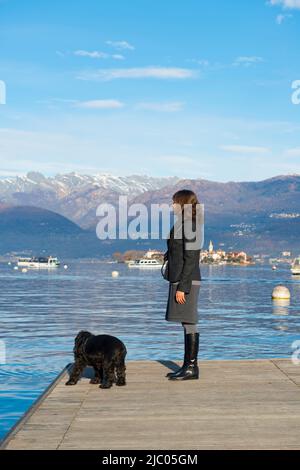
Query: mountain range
column 76, row 196
column 258, row 217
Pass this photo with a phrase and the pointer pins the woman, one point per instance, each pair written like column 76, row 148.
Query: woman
column 184, row 279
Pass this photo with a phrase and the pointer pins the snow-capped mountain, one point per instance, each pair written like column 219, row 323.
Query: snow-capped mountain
column 76, row 196
column 257, row 217
column 65, row 184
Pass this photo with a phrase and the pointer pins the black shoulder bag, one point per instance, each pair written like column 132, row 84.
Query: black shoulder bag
column 165, row 270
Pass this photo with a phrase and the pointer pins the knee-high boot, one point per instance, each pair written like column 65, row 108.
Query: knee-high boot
column 174, row 374
column 190, row 370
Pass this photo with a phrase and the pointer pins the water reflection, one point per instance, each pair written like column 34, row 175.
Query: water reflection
column 281, row 306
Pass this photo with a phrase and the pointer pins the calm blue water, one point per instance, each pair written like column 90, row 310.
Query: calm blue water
column 41, row 313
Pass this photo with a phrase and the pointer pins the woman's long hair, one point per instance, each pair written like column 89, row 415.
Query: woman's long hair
column 188, row 198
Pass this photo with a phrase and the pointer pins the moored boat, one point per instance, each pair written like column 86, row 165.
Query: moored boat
column 145, row 263
column 296, row 266
column 47, row 262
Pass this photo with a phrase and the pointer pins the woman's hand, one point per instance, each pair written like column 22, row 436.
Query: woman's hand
column 180, row 297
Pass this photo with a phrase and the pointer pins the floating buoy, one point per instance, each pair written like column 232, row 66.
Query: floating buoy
column 274, row 267
column 65, row 266
column 9, row 263
column 24, row 270
column 281, row 292
column 16, row 268
column 115, row 273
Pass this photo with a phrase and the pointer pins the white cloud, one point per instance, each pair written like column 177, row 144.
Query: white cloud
column 118, row 56
column 120, row 45
column 168, row 107
column 92, row 55
column 281, row 18
column 245, row 149
column 98, row 55
column 55, row 103
column 247, row 61
column 138, row 72
column 289, row 4
column 100, row 104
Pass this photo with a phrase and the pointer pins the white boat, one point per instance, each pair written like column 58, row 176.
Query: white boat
column 47, row 262
column 296, row 266
column 145, row 263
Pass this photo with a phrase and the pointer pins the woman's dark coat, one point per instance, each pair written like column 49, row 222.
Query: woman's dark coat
column 183, row 263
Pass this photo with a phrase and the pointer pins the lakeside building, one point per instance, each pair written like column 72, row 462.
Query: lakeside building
column 132, row 255
column 153, row 254
column 212, row 256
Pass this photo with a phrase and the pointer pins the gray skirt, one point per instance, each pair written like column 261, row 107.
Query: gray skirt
column 187, row 312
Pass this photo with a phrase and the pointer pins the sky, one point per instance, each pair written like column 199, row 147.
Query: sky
column 194, row 88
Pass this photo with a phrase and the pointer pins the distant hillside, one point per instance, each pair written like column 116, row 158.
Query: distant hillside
column 23, row 220
column 76, row 196
column 259, row 217
column 278, row 194
column 35, row 231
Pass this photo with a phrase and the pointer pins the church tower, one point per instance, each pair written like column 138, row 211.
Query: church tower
column 211, row 247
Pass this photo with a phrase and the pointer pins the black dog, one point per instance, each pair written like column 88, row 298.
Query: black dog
column 103, row 352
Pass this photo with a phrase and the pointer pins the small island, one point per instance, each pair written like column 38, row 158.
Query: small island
column 220, row 257
column 209, row 256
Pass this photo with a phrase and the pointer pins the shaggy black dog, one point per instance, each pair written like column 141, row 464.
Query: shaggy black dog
column 103, row 352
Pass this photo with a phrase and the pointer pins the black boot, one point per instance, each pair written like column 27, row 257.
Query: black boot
column 190, row 370
column 174, row 374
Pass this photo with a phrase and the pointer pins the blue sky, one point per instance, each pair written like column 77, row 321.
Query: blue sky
column 191, row 88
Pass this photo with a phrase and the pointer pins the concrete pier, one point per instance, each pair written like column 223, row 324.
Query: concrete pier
column 234, row 405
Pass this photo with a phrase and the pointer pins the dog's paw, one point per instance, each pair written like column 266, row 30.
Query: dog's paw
column 95, row 380
column 70, row 382
column 120, row 383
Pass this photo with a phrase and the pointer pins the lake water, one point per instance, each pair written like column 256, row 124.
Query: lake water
column 41, row 313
